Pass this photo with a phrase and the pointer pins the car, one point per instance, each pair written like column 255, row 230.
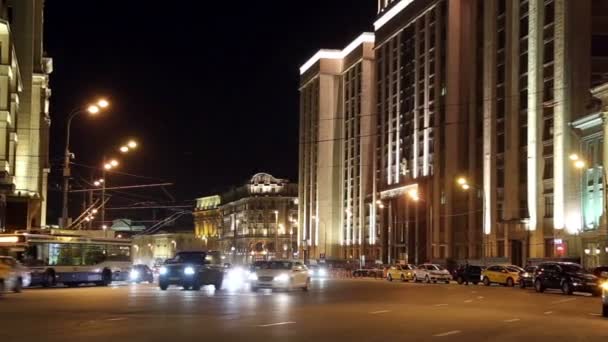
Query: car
column 280, row 274
column 604, row 287
column 468, row 273
column 20, row 275
column 141, row 273
column 526, row 279
column 507, row 275
column 192, row 270
column 318, row 271
column 401, row 272
column 432, row 273
column 601, row 272
column 566, row 276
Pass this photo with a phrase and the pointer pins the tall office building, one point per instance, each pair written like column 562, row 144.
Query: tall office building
column 25, row 122
column 489, row 92
column 336, row 141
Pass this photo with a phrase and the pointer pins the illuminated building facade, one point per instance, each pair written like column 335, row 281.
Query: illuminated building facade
column 24, row 115
column 336, row 218
column 492, row 91
column 255, row 221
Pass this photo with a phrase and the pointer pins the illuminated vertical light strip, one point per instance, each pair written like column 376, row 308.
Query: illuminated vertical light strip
column 559, row 123
column 426, row 137
column 416, row 139
column 534, row 106
column 398, row 116
column 391, row 114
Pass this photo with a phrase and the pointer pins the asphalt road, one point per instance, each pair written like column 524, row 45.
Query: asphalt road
column 335, row 310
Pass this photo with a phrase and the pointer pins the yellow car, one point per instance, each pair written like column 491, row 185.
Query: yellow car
column 401, row 272
column 507, row 275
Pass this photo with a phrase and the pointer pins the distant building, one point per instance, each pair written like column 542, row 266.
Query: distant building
column 257, row 220
column 24, row 115
column 207, row 220
column 156, row 248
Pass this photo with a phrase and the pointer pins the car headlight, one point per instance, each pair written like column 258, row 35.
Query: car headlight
column 526, row 274
column 253, row 276
column 162, row 271
column 282, row 277
column 604, row 286
column 134, row 274
column 189, row 270
column 322, row 272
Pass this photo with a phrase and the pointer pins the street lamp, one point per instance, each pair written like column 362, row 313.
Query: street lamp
column 92, row 109
column 465, row 185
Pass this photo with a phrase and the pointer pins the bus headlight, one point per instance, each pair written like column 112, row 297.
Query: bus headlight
column 162, row 271
column 189, row 270
column 322, row 272
column 134, row 275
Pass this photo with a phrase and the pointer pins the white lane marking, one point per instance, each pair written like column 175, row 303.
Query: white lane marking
column 594, row 314
column 275, row 324
column 116, row 319
column 453, row 332
column 379, row 312
column 548, row 312
column 440, row 305
column 473, row 291
column 468, row 301
column 512, row 320
column 480, row 297
column 564, row 301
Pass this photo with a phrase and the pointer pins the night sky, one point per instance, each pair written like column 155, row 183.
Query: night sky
column 209, row 88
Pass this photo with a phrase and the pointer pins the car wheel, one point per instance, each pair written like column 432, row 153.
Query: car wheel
column 475, row 282
column 522, row 284
column 486, row 281
column 605, row 310
column 566, row 288
column 163, row 286
column 538, row 286
column 510, row 282
column 305, row 288
column 460, row 280
column 18, row 286
column 403, row 278
column 218, row 285
column 49, row 279
column 389, row 278
column 416, row 279
column 427, row 279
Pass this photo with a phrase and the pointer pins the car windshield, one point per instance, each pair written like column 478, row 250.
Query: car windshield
column 434, row 267
column 275, row 265
column 530, row 269
column 572, row 268
column 189, row 258
column 515, row 269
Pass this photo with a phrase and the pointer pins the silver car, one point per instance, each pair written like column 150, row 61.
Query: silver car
column 20, row 275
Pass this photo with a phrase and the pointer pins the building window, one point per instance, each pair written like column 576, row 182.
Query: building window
column 549, row 246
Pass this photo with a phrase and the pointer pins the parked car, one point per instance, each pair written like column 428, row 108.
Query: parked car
column 280, row 274
column 141, row 273
column 191, row 270
column 432, row 273
column 401, row 272
column 526, row 279
column 468, row 273
column 507, row 275
column 20, row 275
column 567, row 276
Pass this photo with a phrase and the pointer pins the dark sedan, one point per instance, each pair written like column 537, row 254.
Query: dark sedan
column 526, row 279
column 566, row 276
column 141, row 273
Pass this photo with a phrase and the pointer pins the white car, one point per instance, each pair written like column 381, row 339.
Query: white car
column 20, row 275
column 432, row 273
column 279, row 274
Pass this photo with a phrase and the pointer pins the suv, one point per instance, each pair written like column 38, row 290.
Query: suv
column 191, row 270
column 567, row 276
column 468, row 273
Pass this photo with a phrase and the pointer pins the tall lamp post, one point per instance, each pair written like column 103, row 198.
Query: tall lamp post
column 466, row 186
column 92, row 109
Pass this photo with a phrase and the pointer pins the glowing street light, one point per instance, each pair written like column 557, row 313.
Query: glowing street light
column 124, row 149
column 574, row 157
column 93, row 109
column 132, row 144
column 579, row 164
column 103, row 103
column 413, row 194
column 462, row 181
column 97, row 183
column 114, row 162
column 466, row 186
column 94, row 211
column 107, row 166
